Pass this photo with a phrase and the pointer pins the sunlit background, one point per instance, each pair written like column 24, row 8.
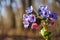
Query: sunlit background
column 11, row 12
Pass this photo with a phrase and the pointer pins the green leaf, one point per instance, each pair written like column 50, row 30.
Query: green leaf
column 47, row 33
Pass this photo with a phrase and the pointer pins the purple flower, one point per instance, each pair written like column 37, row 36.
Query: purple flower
column 25, row 20
column 53, row 15
column 39, row 12
column 25, row 17
column 43, row 11
column 32, row 18
column 29, row 9
column 46, row 14
column 26, row 23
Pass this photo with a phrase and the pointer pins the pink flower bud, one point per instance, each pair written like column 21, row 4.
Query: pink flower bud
column 34, row 26
column 51, row 22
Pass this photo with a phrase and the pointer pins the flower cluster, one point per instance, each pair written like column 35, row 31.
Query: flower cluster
column 44, row 12
column 28, row 17
column 45, row 17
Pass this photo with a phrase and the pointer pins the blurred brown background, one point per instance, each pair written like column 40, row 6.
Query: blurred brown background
column 11, row 12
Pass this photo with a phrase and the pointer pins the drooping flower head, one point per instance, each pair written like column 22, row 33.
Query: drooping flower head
column 29, row 9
